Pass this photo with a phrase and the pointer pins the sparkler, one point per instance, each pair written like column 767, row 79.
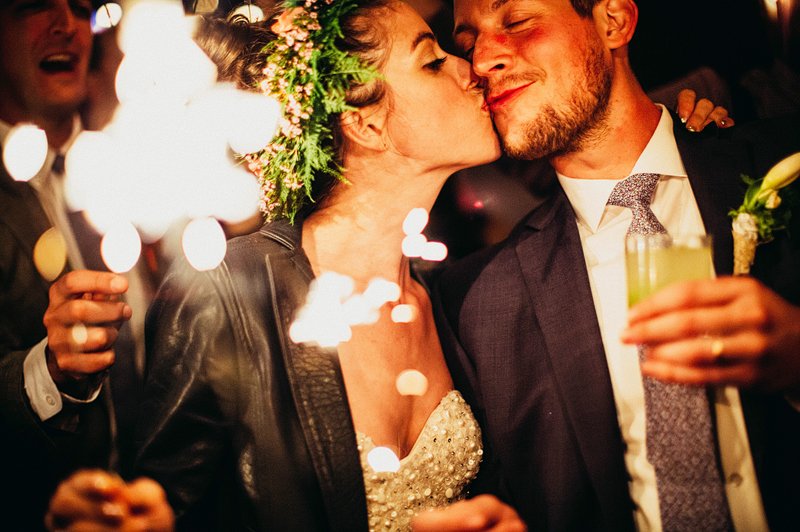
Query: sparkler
column 167, row 155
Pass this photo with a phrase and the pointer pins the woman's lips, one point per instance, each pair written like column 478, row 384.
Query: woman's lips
column 496, row 101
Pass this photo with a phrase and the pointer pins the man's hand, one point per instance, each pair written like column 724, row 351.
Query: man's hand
column 98, row 500
column 731, row 330
column 484, row 512
column 83, row 320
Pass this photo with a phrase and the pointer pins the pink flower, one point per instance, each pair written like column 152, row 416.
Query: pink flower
column 285, row 22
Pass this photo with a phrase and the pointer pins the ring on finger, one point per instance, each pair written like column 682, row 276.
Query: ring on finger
column 79, row 335
column 717, row 347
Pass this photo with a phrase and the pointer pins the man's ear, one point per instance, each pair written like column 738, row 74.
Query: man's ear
column 365, row 127
column 616, row 21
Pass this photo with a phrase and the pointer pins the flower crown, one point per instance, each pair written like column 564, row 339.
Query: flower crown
column 310, row 76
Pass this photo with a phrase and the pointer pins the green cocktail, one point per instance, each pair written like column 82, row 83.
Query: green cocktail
column 655, row 261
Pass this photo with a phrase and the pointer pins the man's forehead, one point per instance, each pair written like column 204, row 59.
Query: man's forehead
column 483, row 5
column 462, row 8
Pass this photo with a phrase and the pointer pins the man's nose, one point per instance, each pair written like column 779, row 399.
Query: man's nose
column 62, row 19
column 490, row 56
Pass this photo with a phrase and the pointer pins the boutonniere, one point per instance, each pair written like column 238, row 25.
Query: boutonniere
column 761, row 214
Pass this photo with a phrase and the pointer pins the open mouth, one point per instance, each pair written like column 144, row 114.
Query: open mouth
column 59, row 63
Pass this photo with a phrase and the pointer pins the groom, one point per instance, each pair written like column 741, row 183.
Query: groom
column 538, row 330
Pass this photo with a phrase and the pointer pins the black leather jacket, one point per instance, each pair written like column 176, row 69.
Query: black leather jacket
column 244, row 428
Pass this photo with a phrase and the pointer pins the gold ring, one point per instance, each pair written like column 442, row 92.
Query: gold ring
column 717, row 347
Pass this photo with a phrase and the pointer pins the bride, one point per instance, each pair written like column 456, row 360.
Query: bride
column 244, row 427
column 247, row 429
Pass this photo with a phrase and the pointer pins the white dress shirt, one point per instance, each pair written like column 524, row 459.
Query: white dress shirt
column 602, row 230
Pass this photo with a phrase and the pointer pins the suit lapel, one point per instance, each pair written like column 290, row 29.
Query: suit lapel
column 320, row 397
column 714, row 170
column 554, row 269
column 22, row 212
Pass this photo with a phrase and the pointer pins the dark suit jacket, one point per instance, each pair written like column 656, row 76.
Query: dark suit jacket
column 245, row 429
column 523, row 343
column 34, row 456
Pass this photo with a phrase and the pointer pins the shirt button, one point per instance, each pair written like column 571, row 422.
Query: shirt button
column 735, row 479
column 50, row 400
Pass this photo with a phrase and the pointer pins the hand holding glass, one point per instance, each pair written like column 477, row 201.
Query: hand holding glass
column 657, row 260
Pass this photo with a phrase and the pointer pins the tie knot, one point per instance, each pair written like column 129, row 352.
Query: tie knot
column 58, row 164
column 634, row 191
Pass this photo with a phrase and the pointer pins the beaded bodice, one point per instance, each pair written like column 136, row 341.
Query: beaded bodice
column 435, row 473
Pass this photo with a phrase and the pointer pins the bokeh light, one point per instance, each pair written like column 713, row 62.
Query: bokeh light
column 24, row 151
column 404, row 313
column 380, row 291
column 50, row 254
column 434, row 251
column 204, row 243
column 415, row 221
column 414, row 245
column 121, row 247
column 411, row 382
column 383, row 460
column 106, row 17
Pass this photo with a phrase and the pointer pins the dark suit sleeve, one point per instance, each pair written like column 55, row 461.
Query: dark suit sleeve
column 35, row 456
column 185, row 426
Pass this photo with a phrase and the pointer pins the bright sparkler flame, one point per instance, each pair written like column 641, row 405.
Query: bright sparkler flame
column 332, row 308
column 166, row 155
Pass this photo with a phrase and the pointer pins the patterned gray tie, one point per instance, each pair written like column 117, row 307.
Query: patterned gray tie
column 681, row 441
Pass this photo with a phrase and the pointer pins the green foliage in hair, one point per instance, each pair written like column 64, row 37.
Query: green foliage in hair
column 310, row 76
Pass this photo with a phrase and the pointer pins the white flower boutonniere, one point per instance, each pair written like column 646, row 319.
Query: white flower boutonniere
column 759, row 216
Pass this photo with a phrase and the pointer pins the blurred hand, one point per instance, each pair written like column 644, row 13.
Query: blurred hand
column 484, row 512
column 730, row 330
column 697, row 114
column 82, row 321
column 101, row 501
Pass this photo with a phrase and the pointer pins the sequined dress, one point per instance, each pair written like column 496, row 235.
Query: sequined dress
column 444, row 459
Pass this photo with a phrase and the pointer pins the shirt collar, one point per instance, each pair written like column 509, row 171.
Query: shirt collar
column 588, row 197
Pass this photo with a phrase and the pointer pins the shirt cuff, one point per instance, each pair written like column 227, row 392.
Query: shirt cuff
column 45, row 397
column 42, row 392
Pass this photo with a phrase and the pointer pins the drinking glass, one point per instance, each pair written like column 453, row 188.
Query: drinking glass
column 655, row 261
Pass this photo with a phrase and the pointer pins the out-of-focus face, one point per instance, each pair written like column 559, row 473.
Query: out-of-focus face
column 438, row 116
column 546, row 71
column 44, row 57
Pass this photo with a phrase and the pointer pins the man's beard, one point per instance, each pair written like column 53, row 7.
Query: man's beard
column 555, row 132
